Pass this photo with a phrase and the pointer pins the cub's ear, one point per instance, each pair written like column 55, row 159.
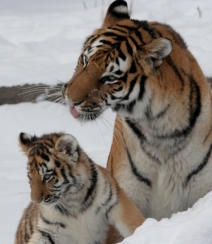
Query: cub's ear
column 25, row 141
column 156, row 51
column 66, row 145
column 117, row 11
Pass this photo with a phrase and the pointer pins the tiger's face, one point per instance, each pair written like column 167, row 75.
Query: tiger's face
column 54, row 167
column 114, row 65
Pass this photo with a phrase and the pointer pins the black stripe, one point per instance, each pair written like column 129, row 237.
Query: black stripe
column 87, row 40
column 148, row 28
column 110, row 208
column 200, row 167
column 135, row 42
column 92, row 40
column 52, row 223
column 148, row 110
column 124, row 78
column 114, row 36
column 173, row 66
column 122, row 55
column 67, row 188
column 194, row 112
column 176, row 71
column 130, row 106
column 139, row 36
column 129, row 48
column 138, row 175
column 105, row 42
column 57, row 163
column 31, row 226
column 163, row 112
column 134, row 128
column 27, row 223
column 127, row 27
column 132, row 84
column 62, row 170
column 116, row 29
column 140, row 24
column 62, row 209
column 142, row 138
column 109, row 198
column 47, row 236
column 142, row 87
column 133, row 67
column 45, row 157
column 114, row 203
column 91, row 190
column 195, row 102
column 110, row 195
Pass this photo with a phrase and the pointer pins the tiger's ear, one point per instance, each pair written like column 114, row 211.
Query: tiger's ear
column 156, row 51
column 66, row 145
column 117, row 11
column 25, row 141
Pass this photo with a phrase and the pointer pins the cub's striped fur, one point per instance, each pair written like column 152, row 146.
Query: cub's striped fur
column 73, row 199
column 162, row 143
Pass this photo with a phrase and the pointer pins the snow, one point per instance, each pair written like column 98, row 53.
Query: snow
column 43, row 117
column 192, row 226
column 39, row 43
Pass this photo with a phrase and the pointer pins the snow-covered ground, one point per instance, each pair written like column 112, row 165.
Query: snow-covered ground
column 39, row 43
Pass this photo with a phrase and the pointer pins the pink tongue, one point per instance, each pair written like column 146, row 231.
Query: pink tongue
column 74, row 112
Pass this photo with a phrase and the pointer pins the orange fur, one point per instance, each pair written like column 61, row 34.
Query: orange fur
column 162, row 142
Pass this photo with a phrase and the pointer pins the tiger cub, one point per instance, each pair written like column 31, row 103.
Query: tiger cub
column 73, row 200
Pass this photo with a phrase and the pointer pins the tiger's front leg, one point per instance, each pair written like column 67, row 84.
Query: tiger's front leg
column 125, row 217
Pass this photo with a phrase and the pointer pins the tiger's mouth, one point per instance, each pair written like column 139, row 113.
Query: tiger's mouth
column 76, row 114
column 86, row 114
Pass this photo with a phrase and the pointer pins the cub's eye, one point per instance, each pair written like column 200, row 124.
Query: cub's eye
column 109, row 78
column 47, row 177
column 84, row 60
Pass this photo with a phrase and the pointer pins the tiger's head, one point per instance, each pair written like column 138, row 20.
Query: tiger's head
column 114, row 65
column 56, row 166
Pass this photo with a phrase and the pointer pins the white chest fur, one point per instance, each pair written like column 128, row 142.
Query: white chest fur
column 89, row 227
column 166, row 187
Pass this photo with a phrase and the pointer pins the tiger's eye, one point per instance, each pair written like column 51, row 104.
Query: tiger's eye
column 108, row 78
column 111, row 78
column 47, row 177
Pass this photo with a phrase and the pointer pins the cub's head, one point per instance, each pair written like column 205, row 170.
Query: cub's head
column 55, row 166
column 114, row 65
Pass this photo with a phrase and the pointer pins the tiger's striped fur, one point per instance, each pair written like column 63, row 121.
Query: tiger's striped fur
column 73, row 199
column 162, row 143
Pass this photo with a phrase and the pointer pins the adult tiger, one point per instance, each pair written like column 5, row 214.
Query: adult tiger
column 144, row 71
